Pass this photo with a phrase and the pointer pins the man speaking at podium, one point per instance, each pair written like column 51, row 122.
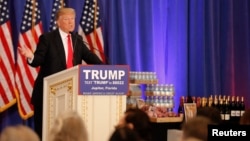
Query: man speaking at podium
column 56, row 51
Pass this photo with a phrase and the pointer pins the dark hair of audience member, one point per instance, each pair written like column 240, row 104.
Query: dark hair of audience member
column 124, row 134
column 245, row 118
column 140, row 121
column 210, row 112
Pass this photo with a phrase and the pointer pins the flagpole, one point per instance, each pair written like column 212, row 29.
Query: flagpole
column 33, row 13
column 95, row 23
column 33, row 20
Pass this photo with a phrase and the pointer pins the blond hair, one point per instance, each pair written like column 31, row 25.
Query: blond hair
column 63, row 11
column 196, row 127
column 68, row 126
column 18, row 133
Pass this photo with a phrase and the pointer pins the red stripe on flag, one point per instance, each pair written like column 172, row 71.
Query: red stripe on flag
column 8, row 78
column 98, row 42
column 6, row 46
column 90, row 43
column 7, row 67
column 36, row 36
column 27, row 40
column 3, row 95
column 25, row 92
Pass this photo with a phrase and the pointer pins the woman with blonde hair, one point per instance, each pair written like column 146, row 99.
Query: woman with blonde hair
column 18, row 133
column 68, row 126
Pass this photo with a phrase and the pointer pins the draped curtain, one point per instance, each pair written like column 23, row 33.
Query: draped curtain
column 219, row 48
column 200, row 46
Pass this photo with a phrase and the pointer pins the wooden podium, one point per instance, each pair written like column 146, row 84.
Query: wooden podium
column 99, row 112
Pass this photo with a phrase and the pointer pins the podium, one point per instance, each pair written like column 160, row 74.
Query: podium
column 100, row 109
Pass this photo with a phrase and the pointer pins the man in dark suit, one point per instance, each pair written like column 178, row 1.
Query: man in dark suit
column 51, row 56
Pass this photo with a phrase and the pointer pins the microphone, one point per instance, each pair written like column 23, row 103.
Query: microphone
column 106, row 60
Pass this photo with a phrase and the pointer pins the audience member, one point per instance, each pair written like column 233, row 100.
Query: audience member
column 245, row 118
column 18, row 133
column 137, row 120
column 68, row 126
column 210, row 112
column 124, row 134
column 196, row 129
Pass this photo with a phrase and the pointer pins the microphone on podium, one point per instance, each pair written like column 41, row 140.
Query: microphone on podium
column 106, row 60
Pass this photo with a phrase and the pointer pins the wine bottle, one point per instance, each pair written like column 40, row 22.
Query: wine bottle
column 216, row 102
column 210, row 101
column 194, row 99
column 221, row 108
column 233, row 108
column 203, row 102
column 181, row 106
column 226, row 110
column 242, row 106
column 237, row 109
column 189, row 99
column 198, row 102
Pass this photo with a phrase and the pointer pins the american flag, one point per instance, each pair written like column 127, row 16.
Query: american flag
column 31, row 29
column 7, row 60
column 90, row 28
column 57, row 4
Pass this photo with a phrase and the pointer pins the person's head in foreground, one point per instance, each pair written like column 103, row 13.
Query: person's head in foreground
column 139, row 121
column 18, row 133
column 68, row 126
column 245, row 118
column 196, row 128
column 124, row 134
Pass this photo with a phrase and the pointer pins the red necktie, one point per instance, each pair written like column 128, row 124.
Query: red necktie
column 70, row 53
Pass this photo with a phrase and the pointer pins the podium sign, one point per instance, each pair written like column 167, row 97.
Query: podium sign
column 103, row 80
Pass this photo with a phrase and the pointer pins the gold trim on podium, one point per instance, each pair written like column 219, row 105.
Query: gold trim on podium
column 57, row 90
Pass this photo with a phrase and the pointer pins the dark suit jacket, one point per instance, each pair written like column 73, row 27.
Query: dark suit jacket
column 50, row 56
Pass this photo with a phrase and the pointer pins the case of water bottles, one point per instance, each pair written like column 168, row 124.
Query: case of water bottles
column 158, row 100
column 160, row 95
column 135, row 90
column 143, row 77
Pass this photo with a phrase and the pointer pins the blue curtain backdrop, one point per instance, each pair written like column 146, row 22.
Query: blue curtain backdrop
column 200, row 46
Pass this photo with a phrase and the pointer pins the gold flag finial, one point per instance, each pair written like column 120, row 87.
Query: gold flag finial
column 62, row 3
